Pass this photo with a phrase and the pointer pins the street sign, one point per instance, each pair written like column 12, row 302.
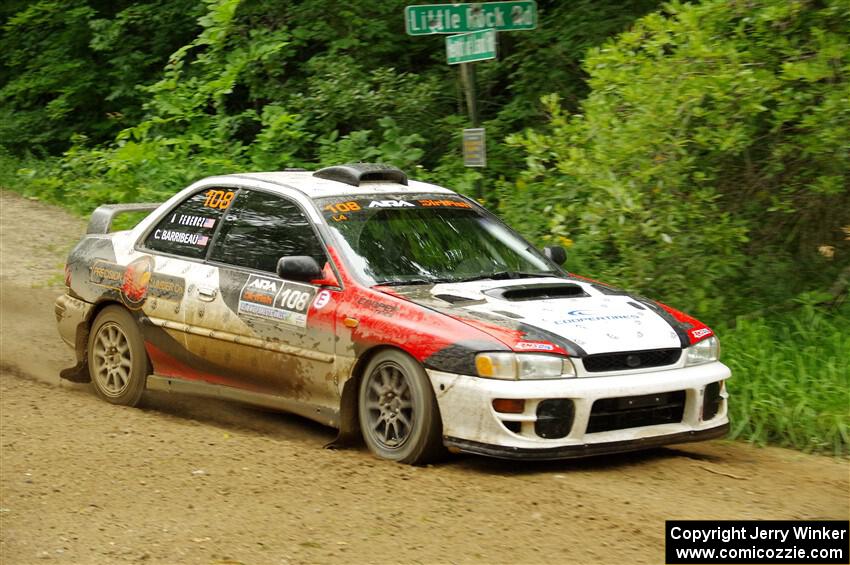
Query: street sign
column 474, row 148
column 469, row 47
column 429, row 19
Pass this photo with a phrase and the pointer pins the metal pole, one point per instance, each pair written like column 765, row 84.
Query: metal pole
column 467, row 73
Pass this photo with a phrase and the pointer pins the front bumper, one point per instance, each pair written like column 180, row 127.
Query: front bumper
column 471, row 423
column 584, row 450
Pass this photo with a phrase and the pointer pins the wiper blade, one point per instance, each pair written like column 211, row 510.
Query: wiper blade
column 407, row 282
column 505, row 275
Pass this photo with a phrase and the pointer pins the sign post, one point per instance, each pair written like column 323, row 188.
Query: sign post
column 476, row 24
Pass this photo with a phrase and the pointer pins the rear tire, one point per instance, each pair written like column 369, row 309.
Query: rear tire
column 117, row 359
column 399, row 416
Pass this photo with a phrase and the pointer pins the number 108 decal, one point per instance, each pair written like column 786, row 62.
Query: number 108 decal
column 293, row 299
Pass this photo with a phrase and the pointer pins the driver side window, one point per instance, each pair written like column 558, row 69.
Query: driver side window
column 259, row 228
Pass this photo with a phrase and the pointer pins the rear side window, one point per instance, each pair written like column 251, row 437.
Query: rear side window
column 189, row 227
column 261, row 228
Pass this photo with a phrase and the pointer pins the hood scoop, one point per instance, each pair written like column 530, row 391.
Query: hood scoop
column 545, row 291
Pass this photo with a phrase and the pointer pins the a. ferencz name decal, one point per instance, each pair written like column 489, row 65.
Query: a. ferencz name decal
column 193, row 221
column 137, row 282
column 277, row 300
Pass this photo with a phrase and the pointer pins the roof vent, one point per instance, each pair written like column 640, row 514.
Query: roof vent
column 356, row 173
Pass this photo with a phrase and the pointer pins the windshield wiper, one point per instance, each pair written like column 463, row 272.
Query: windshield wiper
column 497, row 276
column 506, row 275
column 409, row 281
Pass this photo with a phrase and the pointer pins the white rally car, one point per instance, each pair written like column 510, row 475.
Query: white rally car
column 394, row 310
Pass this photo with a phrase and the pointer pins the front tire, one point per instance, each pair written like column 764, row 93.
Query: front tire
column 399, row 417
column 117, row 359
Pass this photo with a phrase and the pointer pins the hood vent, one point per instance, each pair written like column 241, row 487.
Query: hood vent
column 537, row 292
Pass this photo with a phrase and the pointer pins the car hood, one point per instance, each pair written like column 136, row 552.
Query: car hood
column 572, row 316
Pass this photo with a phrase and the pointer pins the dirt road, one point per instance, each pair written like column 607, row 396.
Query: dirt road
column 186, row 480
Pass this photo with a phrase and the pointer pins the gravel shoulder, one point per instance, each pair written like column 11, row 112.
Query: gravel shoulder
column 185, row 480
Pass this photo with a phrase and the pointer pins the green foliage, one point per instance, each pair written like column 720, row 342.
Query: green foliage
column 73, row 67
column 710, row 161
column 394, row 148
column 790, row 380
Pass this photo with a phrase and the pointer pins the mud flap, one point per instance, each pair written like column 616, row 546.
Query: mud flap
column 349, row 428
column 79, row 373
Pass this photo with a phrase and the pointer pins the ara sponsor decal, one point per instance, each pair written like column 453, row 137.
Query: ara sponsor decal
column 181, row 237
column 583, row 316
column 391, row 204
column 137, row 281
column 701, row 333
column 534, row 346
column 276, row 300
column 322, row 300
column 260, row 290
column 340, row 211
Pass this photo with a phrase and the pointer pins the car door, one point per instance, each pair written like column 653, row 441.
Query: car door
column 270, row 335
column 170, row 255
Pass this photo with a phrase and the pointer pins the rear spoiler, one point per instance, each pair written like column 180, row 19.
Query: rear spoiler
column 101, row 218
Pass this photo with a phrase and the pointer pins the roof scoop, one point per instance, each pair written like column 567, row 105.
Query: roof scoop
column 356, row 173
column 545, row 291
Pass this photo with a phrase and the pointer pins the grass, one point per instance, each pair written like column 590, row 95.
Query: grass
column 790, row 381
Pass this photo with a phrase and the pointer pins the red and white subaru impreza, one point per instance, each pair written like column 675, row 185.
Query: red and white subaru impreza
column 390, row 309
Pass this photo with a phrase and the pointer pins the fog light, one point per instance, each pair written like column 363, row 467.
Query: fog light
column 711, row 400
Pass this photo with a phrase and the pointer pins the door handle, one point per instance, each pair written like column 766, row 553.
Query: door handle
column 207, row 294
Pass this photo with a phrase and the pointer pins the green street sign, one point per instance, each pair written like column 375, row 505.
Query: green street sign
column 469, row 47
column 428, row 19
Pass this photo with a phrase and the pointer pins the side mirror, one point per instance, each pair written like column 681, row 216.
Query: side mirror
column 556, row 254
column 302, row 268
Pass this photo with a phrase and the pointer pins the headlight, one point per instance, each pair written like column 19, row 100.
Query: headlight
column 523, row 366
column 703, row 352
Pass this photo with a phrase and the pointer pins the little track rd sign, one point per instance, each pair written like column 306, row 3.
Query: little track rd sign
column 469, row 47
column 429, row 19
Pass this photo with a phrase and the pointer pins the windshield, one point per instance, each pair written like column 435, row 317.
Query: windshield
column 428, row 238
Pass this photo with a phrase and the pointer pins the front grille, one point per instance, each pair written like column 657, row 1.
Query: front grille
column 636, row 411
column 626, row 360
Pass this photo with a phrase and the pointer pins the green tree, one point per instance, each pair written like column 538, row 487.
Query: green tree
column 75, row 67
column 710, row 161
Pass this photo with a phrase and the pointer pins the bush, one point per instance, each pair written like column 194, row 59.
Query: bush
column 710, row 161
